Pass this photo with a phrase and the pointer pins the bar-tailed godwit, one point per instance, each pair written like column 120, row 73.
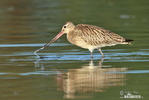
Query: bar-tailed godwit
column 89, row 37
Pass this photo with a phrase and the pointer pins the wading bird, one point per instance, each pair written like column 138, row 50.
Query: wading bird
column 89, row 37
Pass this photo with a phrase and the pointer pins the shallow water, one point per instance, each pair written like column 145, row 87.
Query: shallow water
column 65, row 71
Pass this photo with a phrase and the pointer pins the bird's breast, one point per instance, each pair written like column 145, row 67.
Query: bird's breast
column 72, row 38
column 78, row 41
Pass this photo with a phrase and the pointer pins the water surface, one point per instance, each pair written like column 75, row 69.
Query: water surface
column 65, row 71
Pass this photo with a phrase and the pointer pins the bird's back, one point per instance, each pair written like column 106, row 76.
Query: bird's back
column 95, row 35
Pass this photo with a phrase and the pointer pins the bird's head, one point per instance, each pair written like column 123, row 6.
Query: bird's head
column 69, row 26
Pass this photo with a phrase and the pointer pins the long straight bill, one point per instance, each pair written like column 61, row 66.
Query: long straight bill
column 53, row 40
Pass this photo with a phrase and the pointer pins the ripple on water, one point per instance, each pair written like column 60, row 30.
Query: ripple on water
column 32, row 45
column 113, row 55
column 45, row 73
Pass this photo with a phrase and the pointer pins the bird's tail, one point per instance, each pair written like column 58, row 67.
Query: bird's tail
column 128, row 41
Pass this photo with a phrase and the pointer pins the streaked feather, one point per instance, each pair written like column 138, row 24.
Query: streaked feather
column 94, row 35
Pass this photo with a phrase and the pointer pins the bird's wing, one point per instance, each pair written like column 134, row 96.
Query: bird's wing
column 95, row 35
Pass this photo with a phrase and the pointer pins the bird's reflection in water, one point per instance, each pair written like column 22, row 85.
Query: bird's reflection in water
column 83, row 82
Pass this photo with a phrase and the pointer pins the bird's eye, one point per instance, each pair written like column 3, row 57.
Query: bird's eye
column 64, row 26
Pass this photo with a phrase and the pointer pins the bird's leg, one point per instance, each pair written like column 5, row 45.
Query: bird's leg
column 91, row 52
column 101, row 52
column 101, row 61
column 91, row 55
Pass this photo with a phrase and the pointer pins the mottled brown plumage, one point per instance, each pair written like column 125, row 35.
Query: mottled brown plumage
column 90, row 37
column 93, row 36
